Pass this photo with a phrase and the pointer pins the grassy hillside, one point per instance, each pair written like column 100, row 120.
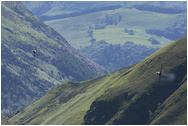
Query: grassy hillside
column 76, row 29
column 73, row 20
column 131, row 95
column 173, row 110
column 26, row 78
column 138, row 95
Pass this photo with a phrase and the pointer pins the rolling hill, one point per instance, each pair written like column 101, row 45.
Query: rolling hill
column 59, row 9
column 132, row 95
column 165, row 21
column 150, row 25
column 25, row 77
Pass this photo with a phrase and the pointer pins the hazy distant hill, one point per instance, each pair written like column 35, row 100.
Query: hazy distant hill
column 163, row 19
column 130, row 96
column 49, row 9
column 26, row 78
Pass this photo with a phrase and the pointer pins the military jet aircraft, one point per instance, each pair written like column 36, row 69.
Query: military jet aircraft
column 159, row 73
column 34, row 51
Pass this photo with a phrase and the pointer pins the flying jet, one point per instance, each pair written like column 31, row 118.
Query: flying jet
column 34, row 51
column 159, row 73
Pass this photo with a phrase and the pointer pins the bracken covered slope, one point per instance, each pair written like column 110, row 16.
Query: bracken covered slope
column 131, row 95
column 26, row 77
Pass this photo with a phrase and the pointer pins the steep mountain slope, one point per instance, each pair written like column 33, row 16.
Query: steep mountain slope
column 26, row 77
column 173, row 110
column 131, row 95
column 138, row 96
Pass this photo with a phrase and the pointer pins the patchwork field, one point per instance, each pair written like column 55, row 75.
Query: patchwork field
column 75, row 29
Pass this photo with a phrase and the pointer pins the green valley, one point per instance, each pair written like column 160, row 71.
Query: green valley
column 147, row 24
column 130, row 96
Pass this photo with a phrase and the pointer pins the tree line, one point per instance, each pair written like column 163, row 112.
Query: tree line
column 115, row 56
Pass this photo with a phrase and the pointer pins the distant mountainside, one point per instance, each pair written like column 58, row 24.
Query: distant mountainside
column 25, row 77
column 50, row 10
column 150, row 25
column 130, row 96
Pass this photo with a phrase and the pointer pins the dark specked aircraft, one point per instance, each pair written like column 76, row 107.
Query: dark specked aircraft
column 159, row 73
column 34, row 51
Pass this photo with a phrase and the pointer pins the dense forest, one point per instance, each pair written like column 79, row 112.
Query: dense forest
column 116, row 56
column 175, row 32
